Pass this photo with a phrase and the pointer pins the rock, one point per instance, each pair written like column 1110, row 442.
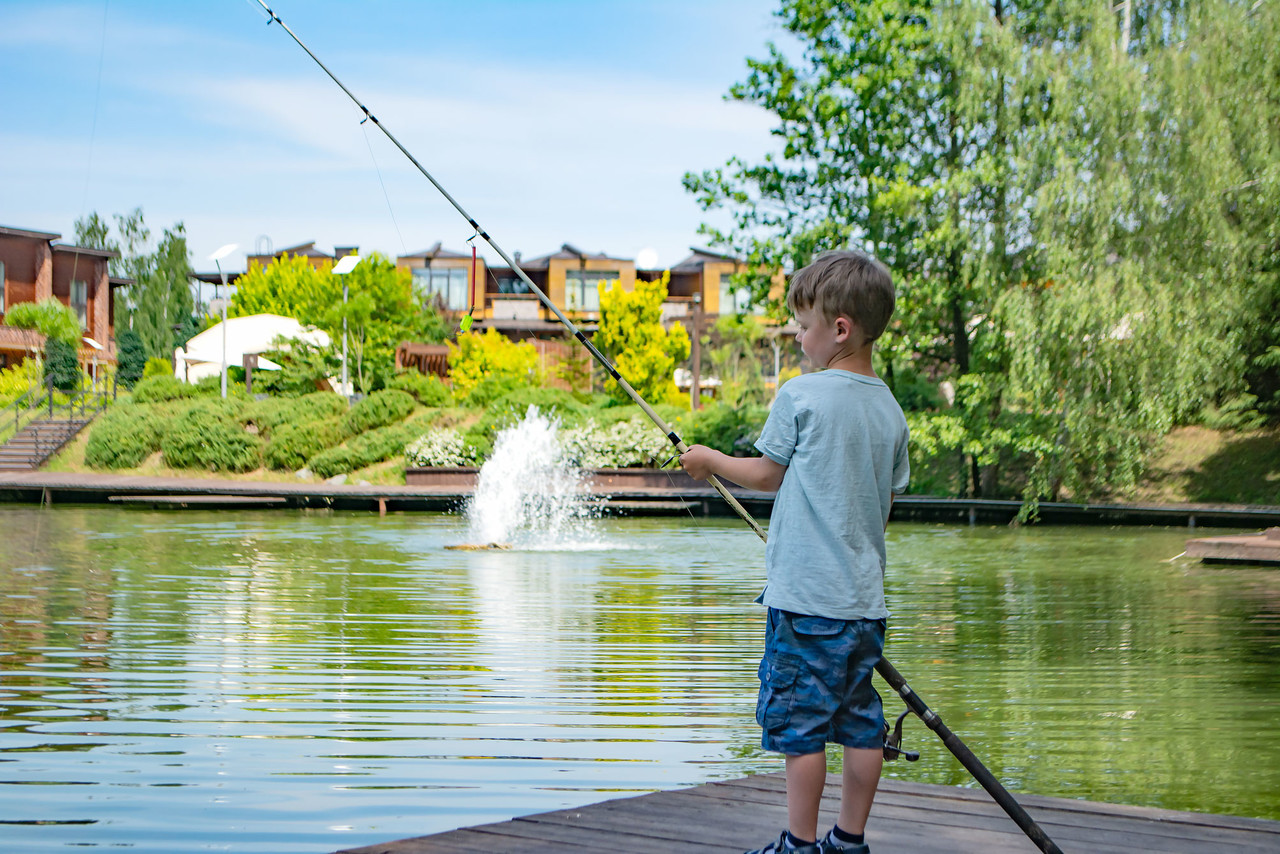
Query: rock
column 337, row 479
column 303, row 473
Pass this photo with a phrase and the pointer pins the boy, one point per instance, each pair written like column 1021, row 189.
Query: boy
column 835, row 451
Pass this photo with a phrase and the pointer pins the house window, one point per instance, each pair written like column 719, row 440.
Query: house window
column 2, row 286
column 80, row 301
column 451, row 284
column 736, row 300
column 581, row 288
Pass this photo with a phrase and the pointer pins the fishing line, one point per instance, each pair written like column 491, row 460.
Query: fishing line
column 884, row 667
column 385, row 194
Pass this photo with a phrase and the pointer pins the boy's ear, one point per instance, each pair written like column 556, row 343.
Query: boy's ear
column 843, row 327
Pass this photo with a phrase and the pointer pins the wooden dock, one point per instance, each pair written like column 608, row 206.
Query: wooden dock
column 908, row 818
column 1261, row 548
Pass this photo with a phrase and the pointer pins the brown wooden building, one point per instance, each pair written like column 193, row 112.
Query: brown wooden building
column 33, row 268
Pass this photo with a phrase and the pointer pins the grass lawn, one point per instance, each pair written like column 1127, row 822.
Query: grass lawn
column 1203, row 466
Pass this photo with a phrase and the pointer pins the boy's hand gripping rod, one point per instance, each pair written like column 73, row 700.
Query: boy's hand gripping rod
column 884, row 668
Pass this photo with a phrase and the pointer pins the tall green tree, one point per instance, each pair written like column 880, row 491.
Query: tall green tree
column 1066, row 194
column 381, row 309
column 159, row 304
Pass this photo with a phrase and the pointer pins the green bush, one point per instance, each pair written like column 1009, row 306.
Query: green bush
column 123, row 437
column 378, row 410
column 155, row 389
column 427, row 390
column 730, row 429
column 271, row 413
column 132, row 357
column 292, row 445
column 208, row 436
column 60, row 365
column 369, row 448
column 157, row 366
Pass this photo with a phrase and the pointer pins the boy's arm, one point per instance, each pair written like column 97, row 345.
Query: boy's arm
column 759, row 473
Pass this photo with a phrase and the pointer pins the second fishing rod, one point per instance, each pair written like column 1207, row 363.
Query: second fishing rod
column 886, row 670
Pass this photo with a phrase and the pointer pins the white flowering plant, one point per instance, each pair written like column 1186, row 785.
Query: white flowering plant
column 624, row 444
column 443, row 447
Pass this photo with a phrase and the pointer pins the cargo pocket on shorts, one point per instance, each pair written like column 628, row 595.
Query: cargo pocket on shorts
column 778, row 677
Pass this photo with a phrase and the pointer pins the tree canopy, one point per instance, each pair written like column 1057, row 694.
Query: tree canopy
column 381, row 309
column 1077, row 203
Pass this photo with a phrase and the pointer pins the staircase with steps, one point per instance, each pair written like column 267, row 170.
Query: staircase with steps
column 38, row 441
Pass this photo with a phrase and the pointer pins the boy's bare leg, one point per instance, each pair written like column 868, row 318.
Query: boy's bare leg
column 806, row 777
column 859, row 781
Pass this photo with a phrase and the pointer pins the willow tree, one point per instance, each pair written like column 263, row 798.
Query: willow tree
column 1066, row 193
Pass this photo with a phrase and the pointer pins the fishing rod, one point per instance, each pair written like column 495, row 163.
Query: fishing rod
column 886, row 670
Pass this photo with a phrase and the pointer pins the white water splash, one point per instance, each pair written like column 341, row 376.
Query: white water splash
column 530, row 495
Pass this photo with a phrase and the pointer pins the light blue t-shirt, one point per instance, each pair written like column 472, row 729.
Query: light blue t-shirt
column 843, row 439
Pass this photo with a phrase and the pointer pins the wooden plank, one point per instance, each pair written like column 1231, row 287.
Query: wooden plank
column 733, row 815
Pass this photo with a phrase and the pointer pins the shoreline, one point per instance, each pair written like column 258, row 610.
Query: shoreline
column 642, row 497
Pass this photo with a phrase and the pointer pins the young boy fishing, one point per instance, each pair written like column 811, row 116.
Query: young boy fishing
column 835, row 450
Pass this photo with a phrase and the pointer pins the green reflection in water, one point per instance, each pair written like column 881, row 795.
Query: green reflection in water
column 304, row 682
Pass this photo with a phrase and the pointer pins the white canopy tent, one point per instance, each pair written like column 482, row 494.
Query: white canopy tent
column 250, row 335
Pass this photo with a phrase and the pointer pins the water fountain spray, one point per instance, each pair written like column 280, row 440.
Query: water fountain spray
column 886, row 670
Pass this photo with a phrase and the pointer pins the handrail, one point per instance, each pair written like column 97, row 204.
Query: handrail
column 81, row 402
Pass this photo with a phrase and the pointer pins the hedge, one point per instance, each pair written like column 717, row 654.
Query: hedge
column 274, row 412
column 369, row 448
column 154, row 389
column 291, row 445
column 123, row 437
column 208, row 436
column 427, row 390
column 378, row 410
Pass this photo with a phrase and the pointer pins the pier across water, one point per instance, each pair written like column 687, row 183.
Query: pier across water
column 907, row 818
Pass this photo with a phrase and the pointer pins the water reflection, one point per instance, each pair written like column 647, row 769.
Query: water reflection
column 305, row 682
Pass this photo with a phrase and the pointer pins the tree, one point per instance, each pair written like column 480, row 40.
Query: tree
column 1074, row 204
column 132, row 358
column 632, row 336
column 61, row 367
column 160, row 298
column 381, row 309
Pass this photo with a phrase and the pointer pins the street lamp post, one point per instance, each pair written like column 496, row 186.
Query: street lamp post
column 216, row 258
column 345, row 265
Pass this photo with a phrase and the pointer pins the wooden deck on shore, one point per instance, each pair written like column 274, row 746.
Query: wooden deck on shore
column 44, row 487
column 908, row 818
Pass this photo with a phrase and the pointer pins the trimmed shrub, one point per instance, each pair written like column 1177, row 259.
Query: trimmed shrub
column 157, row 366
column 369, row 448
column 60, row 365
column 132, row 357
column 123, row 437
column 208, row 436
column 292, row 445
column 274, row 412
column 155, row 389
column 378, row 410
column 427, row 390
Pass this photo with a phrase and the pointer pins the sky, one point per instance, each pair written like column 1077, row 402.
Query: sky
column 549, row 121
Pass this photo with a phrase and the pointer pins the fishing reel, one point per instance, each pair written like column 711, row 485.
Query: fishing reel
column 893, row 742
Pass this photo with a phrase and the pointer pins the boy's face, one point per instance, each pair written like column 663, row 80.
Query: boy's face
column 822, row 340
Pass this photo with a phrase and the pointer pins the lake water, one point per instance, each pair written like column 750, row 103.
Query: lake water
column 303, row 682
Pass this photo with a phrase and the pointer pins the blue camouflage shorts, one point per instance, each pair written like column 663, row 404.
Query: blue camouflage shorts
column 815, row 683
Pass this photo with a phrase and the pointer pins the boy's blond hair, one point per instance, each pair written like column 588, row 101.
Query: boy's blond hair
column 849, row 283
